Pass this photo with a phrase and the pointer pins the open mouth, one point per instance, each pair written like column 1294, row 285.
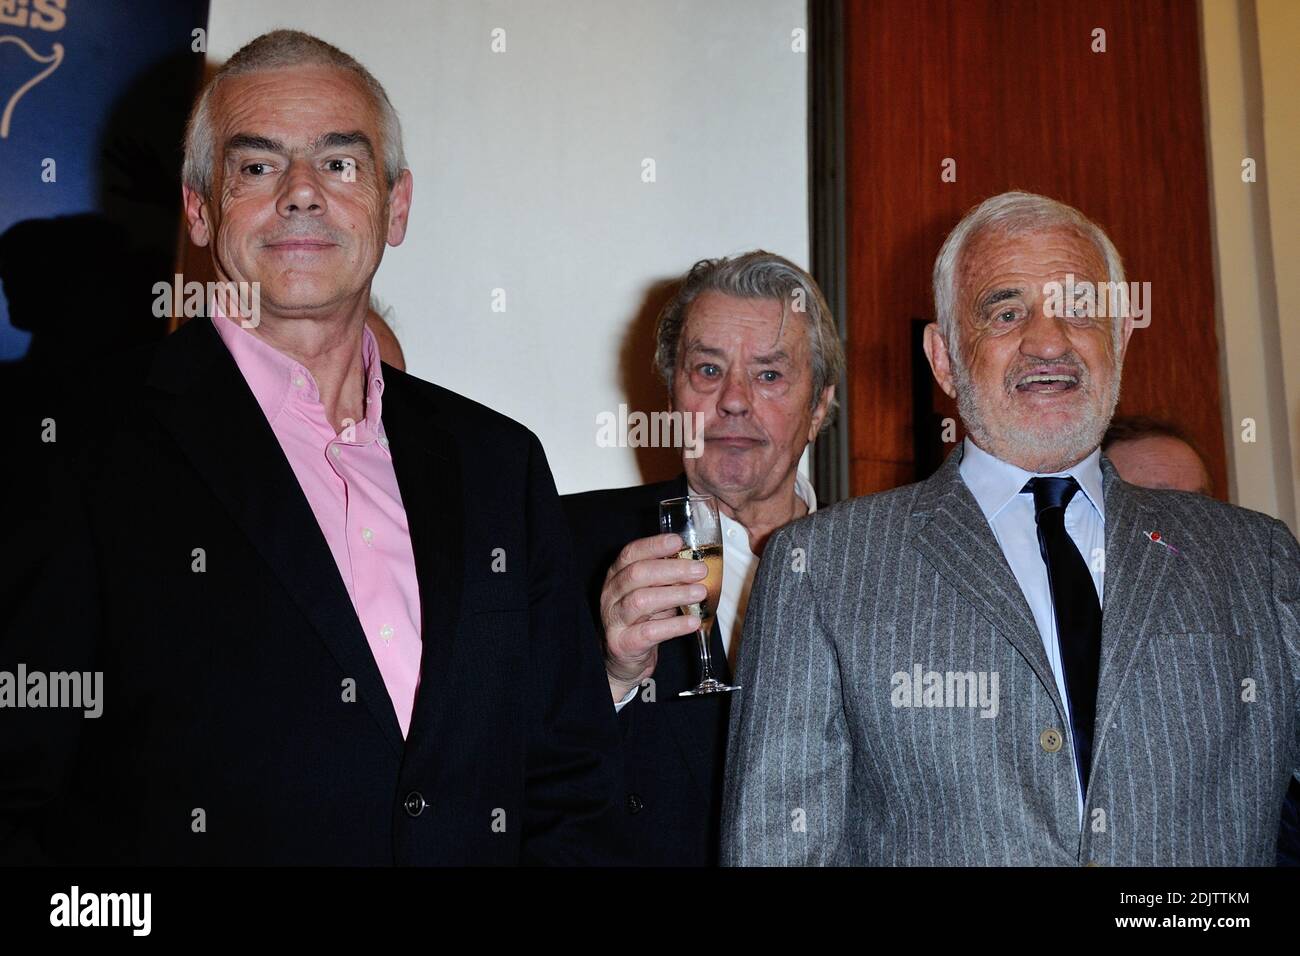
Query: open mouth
column 1048, row 383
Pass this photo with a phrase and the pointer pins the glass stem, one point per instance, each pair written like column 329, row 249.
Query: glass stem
column 703, row 635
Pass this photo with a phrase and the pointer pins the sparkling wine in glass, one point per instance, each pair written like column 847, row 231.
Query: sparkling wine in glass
column 695, row 519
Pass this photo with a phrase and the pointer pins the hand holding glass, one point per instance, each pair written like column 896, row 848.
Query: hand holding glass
column 695, row 519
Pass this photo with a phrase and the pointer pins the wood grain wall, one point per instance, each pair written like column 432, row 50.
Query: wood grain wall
column 1013, row 92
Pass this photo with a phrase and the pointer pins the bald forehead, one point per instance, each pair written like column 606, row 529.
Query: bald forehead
column 1160, row 461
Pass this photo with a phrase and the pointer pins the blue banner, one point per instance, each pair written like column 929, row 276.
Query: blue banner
column 93, row 100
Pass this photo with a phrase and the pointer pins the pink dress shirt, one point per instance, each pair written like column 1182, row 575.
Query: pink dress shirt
column 350, row 483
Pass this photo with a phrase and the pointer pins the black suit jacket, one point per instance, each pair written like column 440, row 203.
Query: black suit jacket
column 244, row 717
column 674, row 747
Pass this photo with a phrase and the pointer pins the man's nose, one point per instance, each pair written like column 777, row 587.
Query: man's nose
column 301, row 193
column 735, row 398
column 1045, row 336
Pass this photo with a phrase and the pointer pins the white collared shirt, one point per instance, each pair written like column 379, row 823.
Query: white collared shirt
column 997, row 486
column 739, row 566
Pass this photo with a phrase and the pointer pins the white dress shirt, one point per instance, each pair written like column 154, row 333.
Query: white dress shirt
column 739, row 566
column 997, row 486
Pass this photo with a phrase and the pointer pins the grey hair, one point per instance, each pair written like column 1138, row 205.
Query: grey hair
column 756, row 275
column 1012, row 213
column 273, row 51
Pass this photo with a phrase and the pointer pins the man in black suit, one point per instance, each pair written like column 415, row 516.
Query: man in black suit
column 325, row 610
column 748, row 347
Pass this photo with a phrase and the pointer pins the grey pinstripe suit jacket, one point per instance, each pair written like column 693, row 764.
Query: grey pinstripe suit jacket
column 1198, row 703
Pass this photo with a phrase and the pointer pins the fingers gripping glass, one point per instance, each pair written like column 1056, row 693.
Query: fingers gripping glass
column 696, row 520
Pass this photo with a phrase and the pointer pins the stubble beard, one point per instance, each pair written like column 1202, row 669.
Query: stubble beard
column 1045, row 449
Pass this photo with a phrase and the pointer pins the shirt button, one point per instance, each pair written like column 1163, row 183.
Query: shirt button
column 634, row 803
column 383, row 440
column 1051, row 740
column 299, row 381
column 367, row 535
column 335, row 450
column 414, row 803
column 386, row 632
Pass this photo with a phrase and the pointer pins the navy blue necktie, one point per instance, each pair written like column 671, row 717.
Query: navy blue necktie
column 1077, row 610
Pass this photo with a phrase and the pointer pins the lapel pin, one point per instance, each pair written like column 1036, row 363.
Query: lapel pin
column 1157, row 538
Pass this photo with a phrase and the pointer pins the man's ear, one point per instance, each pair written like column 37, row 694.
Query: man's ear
column 399, row 207
column 936, row 351
column 196, row 216
column 820, row 411
column 1127, row 334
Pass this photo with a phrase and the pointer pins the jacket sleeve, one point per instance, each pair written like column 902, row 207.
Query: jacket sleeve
column 1285, row 561
column 573, row 739
column 789, row 759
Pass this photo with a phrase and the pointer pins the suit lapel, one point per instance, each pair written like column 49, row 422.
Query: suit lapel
column 427, row 462
column 1137, row 577
column 209, row 410
column 954, row 536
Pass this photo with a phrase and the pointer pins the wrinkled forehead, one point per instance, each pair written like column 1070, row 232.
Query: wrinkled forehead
column 1032, row 253
column 294, row 105
column 742, row 328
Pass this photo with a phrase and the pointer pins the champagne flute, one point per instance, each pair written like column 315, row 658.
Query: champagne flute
column 695, row 519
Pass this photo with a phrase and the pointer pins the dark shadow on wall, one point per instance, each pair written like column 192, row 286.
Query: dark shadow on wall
column 642, row 388
column 83, row 285
column 79, row 286
column 141, row 153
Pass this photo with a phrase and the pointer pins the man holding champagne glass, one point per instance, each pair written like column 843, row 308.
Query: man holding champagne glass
column 696, row 521
column 748, row 345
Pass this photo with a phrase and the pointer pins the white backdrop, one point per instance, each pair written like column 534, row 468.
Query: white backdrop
column 528, row 169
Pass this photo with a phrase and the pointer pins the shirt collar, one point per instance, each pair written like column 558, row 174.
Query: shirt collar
column 995, row 483
column 274, row 376
column 803, row 489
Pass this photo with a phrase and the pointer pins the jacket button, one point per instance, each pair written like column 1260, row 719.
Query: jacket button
column 634, row 803
column 1051, row 740
column 414, row 803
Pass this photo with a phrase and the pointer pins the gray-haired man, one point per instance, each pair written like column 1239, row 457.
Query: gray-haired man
column 941, row 685
column 279, row 551
column 747, row 345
